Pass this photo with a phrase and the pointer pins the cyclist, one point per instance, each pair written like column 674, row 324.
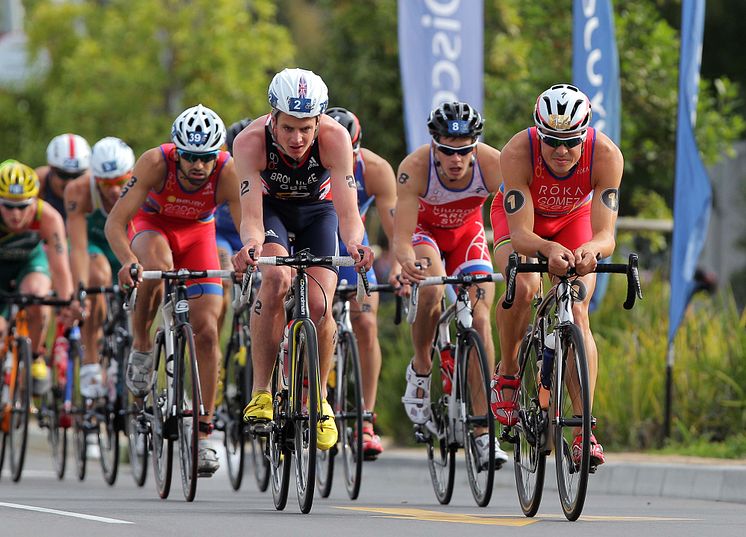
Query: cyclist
column 439, row 230
column 164, row 220
column 375, row 181
column 560, row 199
column 88, row 201
column 68, row 157
column 26, row 225
column 291, row 161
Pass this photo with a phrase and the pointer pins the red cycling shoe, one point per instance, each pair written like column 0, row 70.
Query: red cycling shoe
column 597, row 451
column 372, row 447
column 505, row 410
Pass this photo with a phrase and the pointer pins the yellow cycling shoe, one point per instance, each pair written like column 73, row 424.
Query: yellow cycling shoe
column 326, row 430
column 259, row 408
column 40, row 376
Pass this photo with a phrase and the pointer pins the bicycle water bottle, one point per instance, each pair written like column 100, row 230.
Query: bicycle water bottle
column 7, row 367
column 446, row 367
column 112, row 376
column 59, row 354
column 547, row 364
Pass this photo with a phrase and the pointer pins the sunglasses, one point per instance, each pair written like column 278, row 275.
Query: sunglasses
column 554, row 142
column 194, row 157
column 448, row 151
column 20, row 205
column 66, row 176
column 108, row 182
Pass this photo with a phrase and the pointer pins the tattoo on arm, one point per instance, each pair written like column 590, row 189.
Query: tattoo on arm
column 127, row 187
column 245, row 187
column 403, row 178
column 57, row 244
column 351, row 181
column 71, row 206
column 514, row 201
column 258, row 307
column 610, row 198
column 392, row 211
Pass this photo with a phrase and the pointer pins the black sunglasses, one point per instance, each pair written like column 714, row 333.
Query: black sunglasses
column 194, row 157
column 448, row 151
column 66, row 176
column 553, row 141
column 21, row 205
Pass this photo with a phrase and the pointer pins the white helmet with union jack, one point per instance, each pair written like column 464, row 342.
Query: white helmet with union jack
column 299, row 93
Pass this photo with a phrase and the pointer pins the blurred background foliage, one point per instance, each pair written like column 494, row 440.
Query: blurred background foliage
column 128, row 67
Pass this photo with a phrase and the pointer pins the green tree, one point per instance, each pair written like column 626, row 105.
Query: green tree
column 128, row 67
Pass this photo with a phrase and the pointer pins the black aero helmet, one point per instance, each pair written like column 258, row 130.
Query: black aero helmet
column 233, row 131
column 455, row 120
column 350, row 122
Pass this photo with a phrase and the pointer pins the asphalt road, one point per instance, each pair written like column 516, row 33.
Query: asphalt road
column 396, row 499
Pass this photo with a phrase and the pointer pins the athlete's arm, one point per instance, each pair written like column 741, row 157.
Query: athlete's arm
column 52, row 231
column 411, row 184
column 489, row 163
column 608, row 166
column 228, row 191
column 250, row 159
column 41, row 173
column 335, row 150
column 77, row 206
column 515, row 164
column 149, row 172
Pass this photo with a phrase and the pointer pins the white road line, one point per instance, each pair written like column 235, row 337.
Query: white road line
column 92, row 518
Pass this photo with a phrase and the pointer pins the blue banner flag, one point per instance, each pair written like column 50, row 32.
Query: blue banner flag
column 440, row 58
column 595, row 70
column 693, row 193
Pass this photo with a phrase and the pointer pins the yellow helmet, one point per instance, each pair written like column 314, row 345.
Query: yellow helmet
column 17, row 181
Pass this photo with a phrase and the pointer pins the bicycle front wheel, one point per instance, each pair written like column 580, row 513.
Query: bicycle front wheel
column 188, row 406
column 162, row 439
column 235, row 394
column 58, row 422
column 20, row 407
column 571, row 382
column 441, row 453
column 137, row 440
column 305, row 410
column 278, row 453
column 529, row 453
column 80, row 425
column 476, row 416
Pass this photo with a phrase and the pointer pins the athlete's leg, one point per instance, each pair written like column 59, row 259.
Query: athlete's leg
column 428, row 309
column 154, row 253
column 99, row 275
column 39, row 284
column 365, row 325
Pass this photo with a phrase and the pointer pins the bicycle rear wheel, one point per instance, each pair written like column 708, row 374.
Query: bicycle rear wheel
column 136, row 427
column 529, row 453
column 162, row 439
column 476, row 415
column 325, row 459
column 20, row 407
column 235, row 394
column 350, row 414
column 58, row 422
column 572, row 468
column 78, row 411
column 441, row 455
column 278, row 454
column 108, row 427
column 188, row 406
column 305, row 413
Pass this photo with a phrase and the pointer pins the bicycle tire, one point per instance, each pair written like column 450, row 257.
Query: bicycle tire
column 108, row 430
column 572, row 479
column 325, row 460
column 278, row 453
column 478, row 415
column 350, row 422
column 20, row 407
column 305, row 366
column 441, row 455
column 57, row 433
column 78, row 411
column 529, row 453
column 137, row 441
column 231, row 411
column 3, row 443
column 188, row 406
column 161, row 439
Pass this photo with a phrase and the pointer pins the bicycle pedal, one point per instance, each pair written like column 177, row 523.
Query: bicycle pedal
column 261, row 428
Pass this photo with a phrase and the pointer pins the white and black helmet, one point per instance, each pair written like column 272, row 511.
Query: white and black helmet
column 562, row 109
column 111, row 158
column 198, row 130
column 69, row 153
column 299, row 93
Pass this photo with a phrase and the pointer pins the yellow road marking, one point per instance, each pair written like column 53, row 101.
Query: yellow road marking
column 496, row 520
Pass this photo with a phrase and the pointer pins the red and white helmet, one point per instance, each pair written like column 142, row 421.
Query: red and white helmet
column 562, row 109
column 69, row 153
